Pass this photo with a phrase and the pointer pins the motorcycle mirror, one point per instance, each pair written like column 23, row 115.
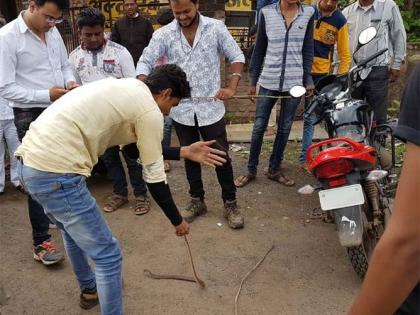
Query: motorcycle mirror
column 297, row 91
column 377, row 175
column 306, row 190
column 367, row 35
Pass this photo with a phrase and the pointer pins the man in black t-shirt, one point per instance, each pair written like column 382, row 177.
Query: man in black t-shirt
column 392, row 284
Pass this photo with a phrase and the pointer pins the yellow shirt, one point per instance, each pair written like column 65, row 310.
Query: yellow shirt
column 69, row 135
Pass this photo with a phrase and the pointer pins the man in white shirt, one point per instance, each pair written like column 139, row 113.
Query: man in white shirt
column 95, row 59
column 386, row 17
column 35, row 72
column 195, row 43
column 8, row 136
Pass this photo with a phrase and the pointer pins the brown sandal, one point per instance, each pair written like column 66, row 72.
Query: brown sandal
column 115, row 202
column 142, row 205
column 244, row 180
column 282, row 179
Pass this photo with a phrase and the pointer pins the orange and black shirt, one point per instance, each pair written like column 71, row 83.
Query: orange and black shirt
column 330, row 31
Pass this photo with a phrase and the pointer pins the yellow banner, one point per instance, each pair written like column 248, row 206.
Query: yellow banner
column 238, row 5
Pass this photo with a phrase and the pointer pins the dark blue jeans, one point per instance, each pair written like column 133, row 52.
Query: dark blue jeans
column 167, row 130
column 116, row 173
column 262, row 114
column 39, row 221
column 374, row 89
column 308, row 123
column 188, row 135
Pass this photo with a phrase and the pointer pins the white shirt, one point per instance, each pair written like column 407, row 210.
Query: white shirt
column 112, row 60
column 29, row 66
column 386, row 17
column 201, row 63
column 6, row 112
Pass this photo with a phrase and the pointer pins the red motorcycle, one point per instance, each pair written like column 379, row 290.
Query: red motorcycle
column 352, row 165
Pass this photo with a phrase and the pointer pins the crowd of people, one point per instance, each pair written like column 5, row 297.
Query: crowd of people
column 61, row 113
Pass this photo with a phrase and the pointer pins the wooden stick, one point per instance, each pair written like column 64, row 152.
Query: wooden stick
column 197, row 279
column 209, row 98
column 247, row 275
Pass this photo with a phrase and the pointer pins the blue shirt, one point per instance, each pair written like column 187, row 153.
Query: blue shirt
column 29, row 66
column 283, row 56
column 201, row 63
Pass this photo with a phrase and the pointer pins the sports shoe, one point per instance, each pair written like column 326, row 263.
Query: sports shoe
column 233, row 215
column 88, row 298
column 47, row 253
column 195, row 208
column 115, row 202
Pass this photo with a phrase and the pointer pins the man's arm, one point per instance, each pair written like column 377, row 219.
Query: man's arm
column 343, row 49
column 9, row 89
column 259, row 53
column 73, row 62
column 151, row 54
column 394, row 269
column 127, row 64
column 398, row 38
column 149, row 31
column 200, row 152
column 66, row 69
column 308, row 54
column 115, row 34
column 395, row 264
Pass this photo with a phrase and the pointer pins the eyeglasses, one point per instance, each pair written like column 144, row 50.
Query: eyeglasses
column 53, row 20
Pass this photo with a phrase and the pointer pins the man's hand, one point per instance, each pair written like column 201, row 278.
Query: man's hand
column 309, row 90
column 252, row 91
column 226, row 93
column 71, row 85
column 201, row 152
column 141, row 77
column 56, row 92
column 182, row 229
column 394, row 75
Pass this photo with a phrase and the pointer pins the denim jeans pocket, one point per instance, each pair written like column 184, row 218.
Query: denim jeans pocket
column 35, row 189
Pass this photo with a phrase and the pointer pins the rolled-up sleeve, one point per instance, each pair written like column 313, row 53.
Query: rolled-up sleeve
column 151, row 54
column 9, row 89
column 227, row 45
column 149, row 132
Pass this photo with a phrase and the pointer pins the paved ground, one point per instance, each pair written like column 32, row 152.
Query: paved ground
column 307, row 273
column 242, row 132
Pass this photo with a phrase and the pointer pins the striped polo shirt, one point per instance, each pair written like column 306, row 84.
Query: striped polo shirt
column 283, row 55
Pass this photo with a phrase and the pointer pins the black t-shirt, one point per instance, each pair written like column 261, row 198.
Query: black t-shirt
column 409, row 122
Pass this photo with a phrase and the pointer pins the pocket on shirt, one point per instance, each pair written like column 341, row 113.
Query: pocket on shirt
column 109, row 65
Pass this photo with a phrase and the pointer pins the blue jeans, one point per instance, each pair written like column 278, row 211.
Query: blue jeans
column 262, row 114
column 167, row 129
column 69, row 204
column 116, row 173
column 308, row 124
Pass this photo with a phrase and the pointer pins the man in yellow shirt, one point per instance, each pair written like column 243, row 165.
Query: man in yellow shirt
column 330, row 29
column 61, row 147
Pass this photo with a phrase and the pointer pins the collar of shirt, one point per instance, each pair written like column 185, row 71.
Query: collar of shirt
column 373, row 6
